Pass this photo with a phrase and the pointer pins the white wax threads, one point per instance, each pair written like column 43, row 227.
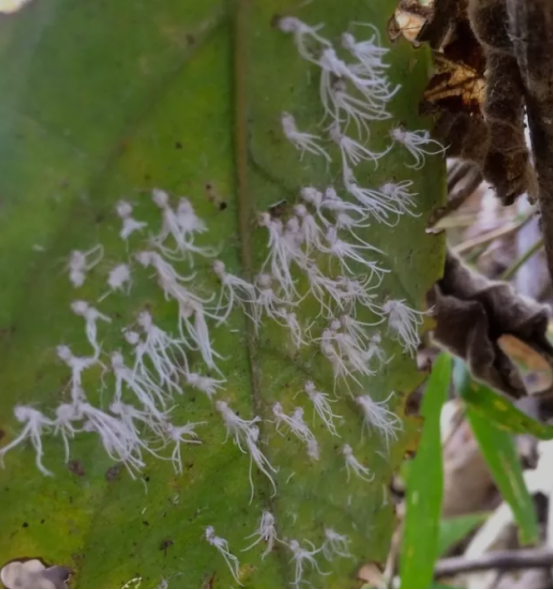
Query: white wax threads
column 81, row 262
column 404, row 323
column 378, row 418
column 303, row 142
column 35, row 423
column 354, row 466
column 222, row 547
column 322, row 407
column 129, row 224
column 245, row 433
column 296, row 424
column 419, row 144
column 266, row 533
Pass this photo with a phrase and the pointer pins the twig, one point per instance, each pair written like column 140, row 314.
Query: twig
column 511, row 271
column 501, row 232
column 506, row 560
column 531, row 31
column 469, row 177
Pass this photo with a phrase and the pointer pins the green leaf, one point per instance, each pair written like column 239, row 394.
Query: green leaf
column 500, row 453
column 496, row 408
column 453, row 530
column 106, row 100
column 424, row 486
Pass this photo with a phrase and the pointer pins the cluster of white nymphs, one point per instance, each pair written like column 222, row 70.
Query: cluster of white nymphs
column 315, row 251
column 302, row 556
column 152, row 367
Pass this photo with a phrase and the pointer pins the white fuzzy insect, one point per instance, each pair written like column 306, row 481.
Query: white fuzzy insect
column 66, row 415
column 222, row 547
column 358, row 110
column 322, row 406
column 181, row 225
column 237, row 428
column 257, row 457
column 77, row 364
column 341, row 370
column 369, row 53
column 179, row 435
column 289, row 320
column 346, row 252
column 378, row 417
column 375, row 350
column 302, row 33
column 297, row 426
column 35, row 424
column 372, row 202
column 165, row 351
column 404, row 323
column 207, row 385
column 358, row 331
column 348, row 349
column 312, row 234
column 121, row 443
column 130, row 416
column 419, row 144
column 303, row 142
column 265, row 533
column 313, row 197
column 91, row 316
column 398, row 194
column 193, row 326
column 356, row 292
column 301, row 557
column 233, row 289
column 335, row 544
column 129, row 224
column 332, row 68
column 81, row 262
column 267, row 300
column 352, row 464
column 352, row 151
column 168, row 278
column 146, row 390
column 119, row 279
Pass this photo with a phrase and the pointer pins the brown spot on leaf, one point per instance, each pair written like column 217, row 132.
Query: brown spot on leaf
column 113, row 472
column 165, row 545
column 76, row 467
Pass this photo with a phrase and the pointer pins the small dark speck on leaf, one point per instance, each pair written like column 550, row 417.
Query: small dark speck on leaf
column 100, row 218
column 146, row 478
column 25, row 525
column 165, row 545
column 222, row 206
column 113, row 472
column 145, row 523
column 191, row 39
column 178, row 145
column 274, row 22
column 42, row 521
column 76, row 467
column 278, row 209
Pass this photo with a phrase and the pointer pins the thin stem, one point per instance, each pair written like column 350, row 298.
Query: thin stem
column 511, row 271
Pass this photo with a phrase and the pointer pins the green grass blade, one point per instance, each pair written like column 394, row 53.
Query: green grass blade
column 453, row 530
column 496, row 408
column 425, row 485
column 500, row 453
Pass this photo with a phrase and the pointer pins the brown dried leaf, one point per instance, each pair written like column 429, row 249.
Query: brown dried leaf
column 472, row 313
